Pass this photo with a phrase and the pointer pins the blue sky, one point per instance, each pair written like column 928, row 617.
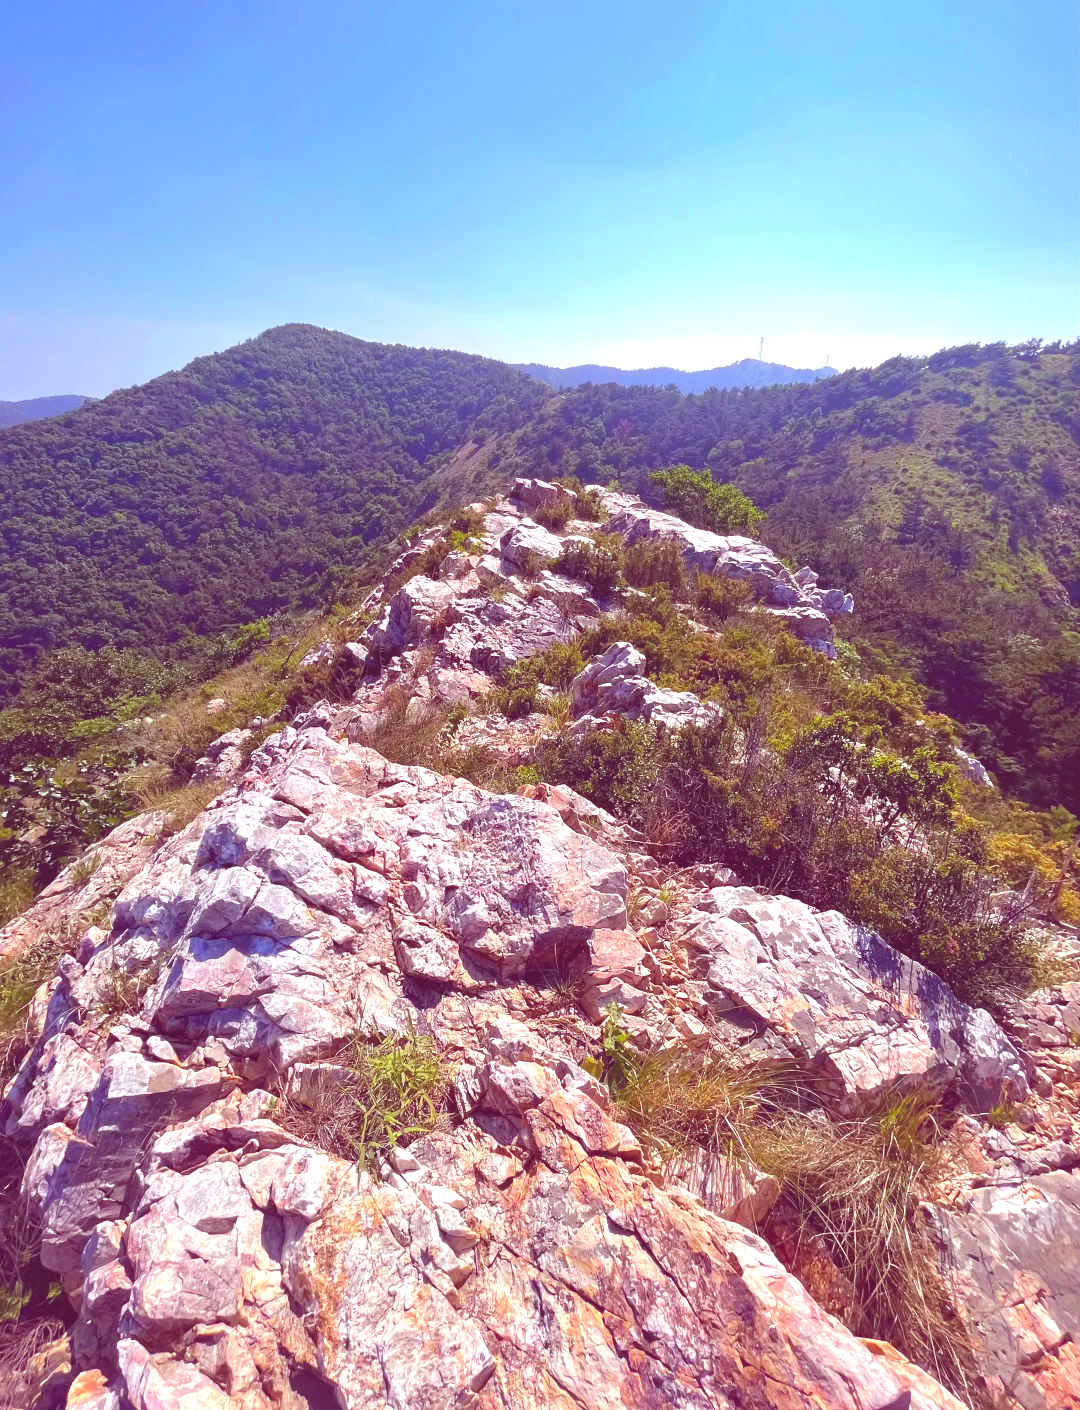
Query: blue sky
column 557, row 182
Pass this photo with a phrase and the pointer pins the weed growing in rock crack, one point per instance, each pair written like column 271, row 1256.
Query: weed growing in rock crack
column 532, row 563
column 182, row 806
column 21, row 1345
column 635, row 905
column 124, row 991
column 82, row 870
column 617, row 1064
column 428, row 739
column 1000, row 1115
column 389, row 1094
column 16, row 893
column 557, row 708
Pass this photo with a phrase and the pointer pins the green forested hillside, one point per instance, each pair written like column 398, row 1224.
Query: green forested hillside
column 245, row 483
column 943, row 491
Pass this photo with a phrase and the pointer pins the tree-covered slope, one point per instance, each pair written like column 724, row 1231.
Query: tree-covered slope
column 943, row 491
column 242, row 484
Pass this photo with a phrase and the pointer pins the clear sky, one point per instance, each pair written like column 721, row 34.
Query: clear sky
column 564, row 182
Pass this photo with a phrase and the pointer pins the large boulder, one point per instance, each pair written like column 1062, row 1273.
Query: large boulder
column 838, row 999
column 529, row 546
column 540, row 494
column 616, row 683
column 1012, row 1251
column 418, row 607
column 524, row 1255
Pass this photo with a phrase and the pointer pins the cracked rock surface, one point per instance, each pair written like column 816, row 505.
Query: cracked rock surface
column 526, row 1257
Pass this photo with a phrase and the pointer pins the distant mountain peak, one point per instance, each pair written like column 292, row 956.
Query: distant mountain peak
column 748, row 372
column 14, row 413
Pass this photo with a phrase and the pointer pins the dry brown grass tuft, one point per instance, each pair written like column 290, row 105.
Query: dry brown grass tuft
column 678, row 1100
column 26, row 1328
column 405, row 739
column 426, row 740
column 21, row 975
column 849, row 1219
column 22, row 1345
column 858, row 1187
column 182, row 805
column 16, row 893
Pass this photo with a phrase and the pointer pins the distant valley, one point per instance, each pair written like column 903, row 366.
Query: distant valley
column 749, row 372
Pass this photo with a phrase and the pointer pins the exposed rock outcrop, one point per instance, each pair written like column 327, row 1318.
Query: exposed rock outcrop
column 616, row 683
column 527, row 1258
column 527, row 1251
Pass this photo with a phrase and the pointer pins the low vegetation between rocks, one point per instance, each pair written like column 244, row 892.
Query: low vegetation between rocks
column 848, row 1194
column 375, row 1098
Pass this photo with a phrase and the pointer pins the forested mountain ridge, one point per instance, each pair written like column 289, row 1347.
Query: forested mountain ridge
column 15, row 413
column 943, row 491
column 247, row 482
column 748, row 372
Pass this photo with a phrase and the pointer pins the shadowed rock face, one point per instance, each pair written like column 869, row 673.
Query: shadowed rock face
column 527, row 1253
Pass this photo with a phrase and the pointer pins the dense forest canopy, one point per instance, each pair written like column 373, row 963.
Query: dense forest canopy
column 243, row 484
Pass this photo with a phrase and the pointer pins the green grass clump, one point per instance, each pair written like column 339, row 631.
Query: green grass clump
column 395, row 1092
column 517, row 693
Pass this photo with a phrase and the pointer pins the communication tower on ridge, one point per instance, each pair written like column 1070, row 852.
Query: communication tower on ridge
column 759, row 347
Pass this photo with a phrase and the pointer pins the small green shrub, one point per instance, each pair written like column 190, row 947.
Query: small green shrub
column 719, row 598
column 826, row 817
column 649, row 563
column 598, row 562
column 699, row 499
column 516, row 695
column 589, row 504
column 617, row 1064
column 554, row 516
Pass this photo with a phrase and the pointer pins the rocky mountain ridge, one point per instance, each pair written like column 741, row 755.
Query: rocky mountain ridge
column 195, row 1059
